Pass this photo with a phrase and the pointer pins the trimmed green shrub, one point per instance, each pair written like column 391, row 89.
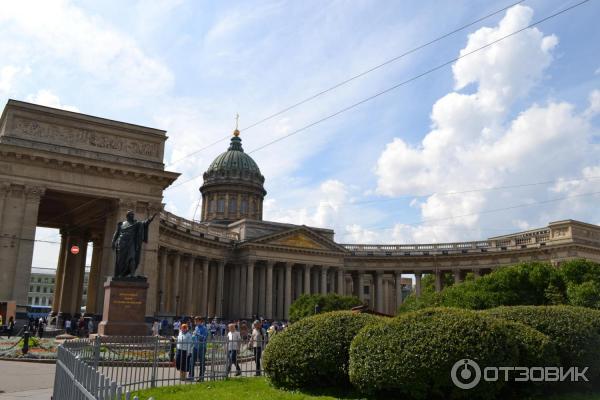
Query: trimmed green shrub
column 313, row 352
column 412, row 355
column 574, row 331
column 305, row 305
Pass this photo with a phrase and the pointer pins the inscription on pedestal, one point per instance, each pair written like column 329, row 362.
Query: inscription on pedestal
column 124, row 307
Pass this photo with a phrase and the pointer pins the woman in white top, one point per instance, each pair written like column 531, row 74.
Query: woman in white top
column 184, row 347
column 257, row 343
column 233, row 346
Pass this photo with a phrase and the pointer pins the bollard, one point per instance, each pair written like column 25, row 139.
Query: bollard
column 25, row 348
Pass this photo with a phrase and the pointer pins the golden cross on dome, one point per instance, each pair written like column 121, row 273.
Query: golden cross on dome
column 237, row 121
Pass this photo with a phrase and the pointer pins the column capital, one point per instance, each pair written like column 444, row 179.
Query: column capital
column 34, row 192
column 398, row 273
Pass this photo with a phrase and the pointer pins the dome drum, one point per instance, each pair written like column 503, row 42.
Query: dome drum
column 233, row 186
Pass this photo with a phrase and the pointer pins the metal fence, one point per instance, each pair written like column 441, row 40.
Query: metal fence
column 131, row 364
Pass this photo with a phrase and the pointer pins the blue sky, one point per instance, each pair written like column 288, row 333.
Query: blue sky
column 523, row 111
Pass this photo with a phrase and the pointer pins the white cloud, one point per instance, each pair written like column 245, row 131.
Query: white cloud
column 58, row 30
column 474, row 143
column 45, row 97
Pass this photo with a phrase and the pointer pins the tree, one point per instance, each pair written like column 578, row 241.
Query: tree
column 311, row 304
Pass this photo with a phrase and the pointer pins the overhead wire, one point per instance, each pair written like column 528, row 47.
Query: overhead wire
column 352, row 78
column 398, row 85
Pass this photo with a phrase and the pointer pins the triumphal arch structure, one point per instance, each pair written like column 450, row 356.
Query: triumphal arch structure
column 81, row 174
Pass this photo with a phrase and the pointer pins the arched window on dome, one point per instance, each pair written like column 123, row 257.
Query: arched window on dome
column 244, row 208
column 221, row 205
column 232, row 206
column 213, row 206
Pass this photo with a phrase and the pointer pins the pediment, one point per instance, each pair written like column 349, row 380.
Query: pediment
column 300, row 238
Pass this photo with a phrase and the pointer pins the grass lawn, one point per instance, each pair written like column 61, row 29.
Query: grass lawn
column 232, row 389
column 258, row 388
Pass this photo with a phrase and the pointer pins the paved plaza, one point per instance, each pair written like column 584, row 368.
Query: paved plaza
column 26, row 380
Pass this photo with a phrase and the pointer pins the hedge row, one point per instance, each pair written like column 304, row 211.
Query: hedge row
column 411, row 356
column 313, row 352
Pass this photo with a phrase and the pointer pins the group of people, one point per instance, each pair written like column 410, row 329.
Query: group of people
column 37, row 326
column 79, row 326
column 191, row 344
column 9, row 329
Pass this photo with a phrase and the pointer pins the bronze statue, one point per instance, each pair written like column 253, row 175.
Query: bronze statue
column 127, row 241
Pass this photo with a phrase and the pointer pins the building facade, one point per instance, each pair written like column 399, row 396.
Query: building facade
column 81, row 174
column 41, row 287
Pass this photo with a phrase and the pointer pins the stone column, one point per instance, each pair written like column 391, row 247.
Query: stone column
column 235, row 276
column 398, row 275
column 177, row 289
column 280, row 293
column 212, row 290
column 379, row 291
column 458, row 277
column 205, row 277
column 92, row 308
column 438, row 280
column 163, row 280
column 220, row 286
column 288, row 290
column 60, row 272
column 361, row 286
column 297, row 282
column 243, row 288
column 190, row 307
column 74, row 268
column 269, row 300
column 315, row 281
column 250, row 289
column 19, row 214
column 340, row 281
column 307, row 279
column 324, row 279
column 417, row 284
column 261, row 274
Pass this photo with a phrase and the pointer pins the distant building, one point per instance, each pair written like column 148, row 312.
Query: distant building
column 41, row 286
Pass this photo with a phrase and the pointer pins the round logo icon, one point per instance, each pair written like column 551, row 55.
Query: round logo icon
column 75, row 250
column 465, row 374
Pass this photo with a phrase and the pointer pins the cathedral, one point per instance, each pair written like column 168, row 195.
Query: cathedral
column 81, row 174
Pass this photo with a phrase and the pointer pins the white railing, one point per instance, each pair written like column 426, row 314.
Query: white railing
column 195, row 227
column 517, row 240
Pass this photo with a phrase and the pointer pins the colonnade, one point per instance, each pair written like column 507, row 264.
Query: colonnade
column 214, row 287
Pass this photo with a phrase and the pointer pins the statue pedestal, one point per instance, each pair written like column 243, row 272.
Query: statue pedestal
column 124, row 307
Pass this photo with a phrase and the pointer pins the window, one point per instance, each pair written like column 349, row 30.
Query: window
column 52, row 280
column 37, row 301
column 37, row 289
column 45, row 290
column 213, row 206
column 31, row 288
column 29, row 300
column 221, row 205
column 51, row 290
column 232, row 206
column 244, row 209
column 367, row 290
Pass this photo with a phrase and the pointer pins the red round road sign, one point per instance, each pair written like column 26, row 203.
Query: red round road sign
column 74, row 249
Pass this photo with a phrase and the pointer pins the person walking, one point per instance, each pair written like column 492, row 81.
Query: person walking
column 184, row 347
column 199, row 338
column 155, row 328
column 40, row 328
column 257, row 343
column 11, row 327
column 233, row 346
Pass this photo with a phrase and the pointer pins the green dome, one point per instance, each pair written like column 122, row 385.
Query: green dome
column 234, row 160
